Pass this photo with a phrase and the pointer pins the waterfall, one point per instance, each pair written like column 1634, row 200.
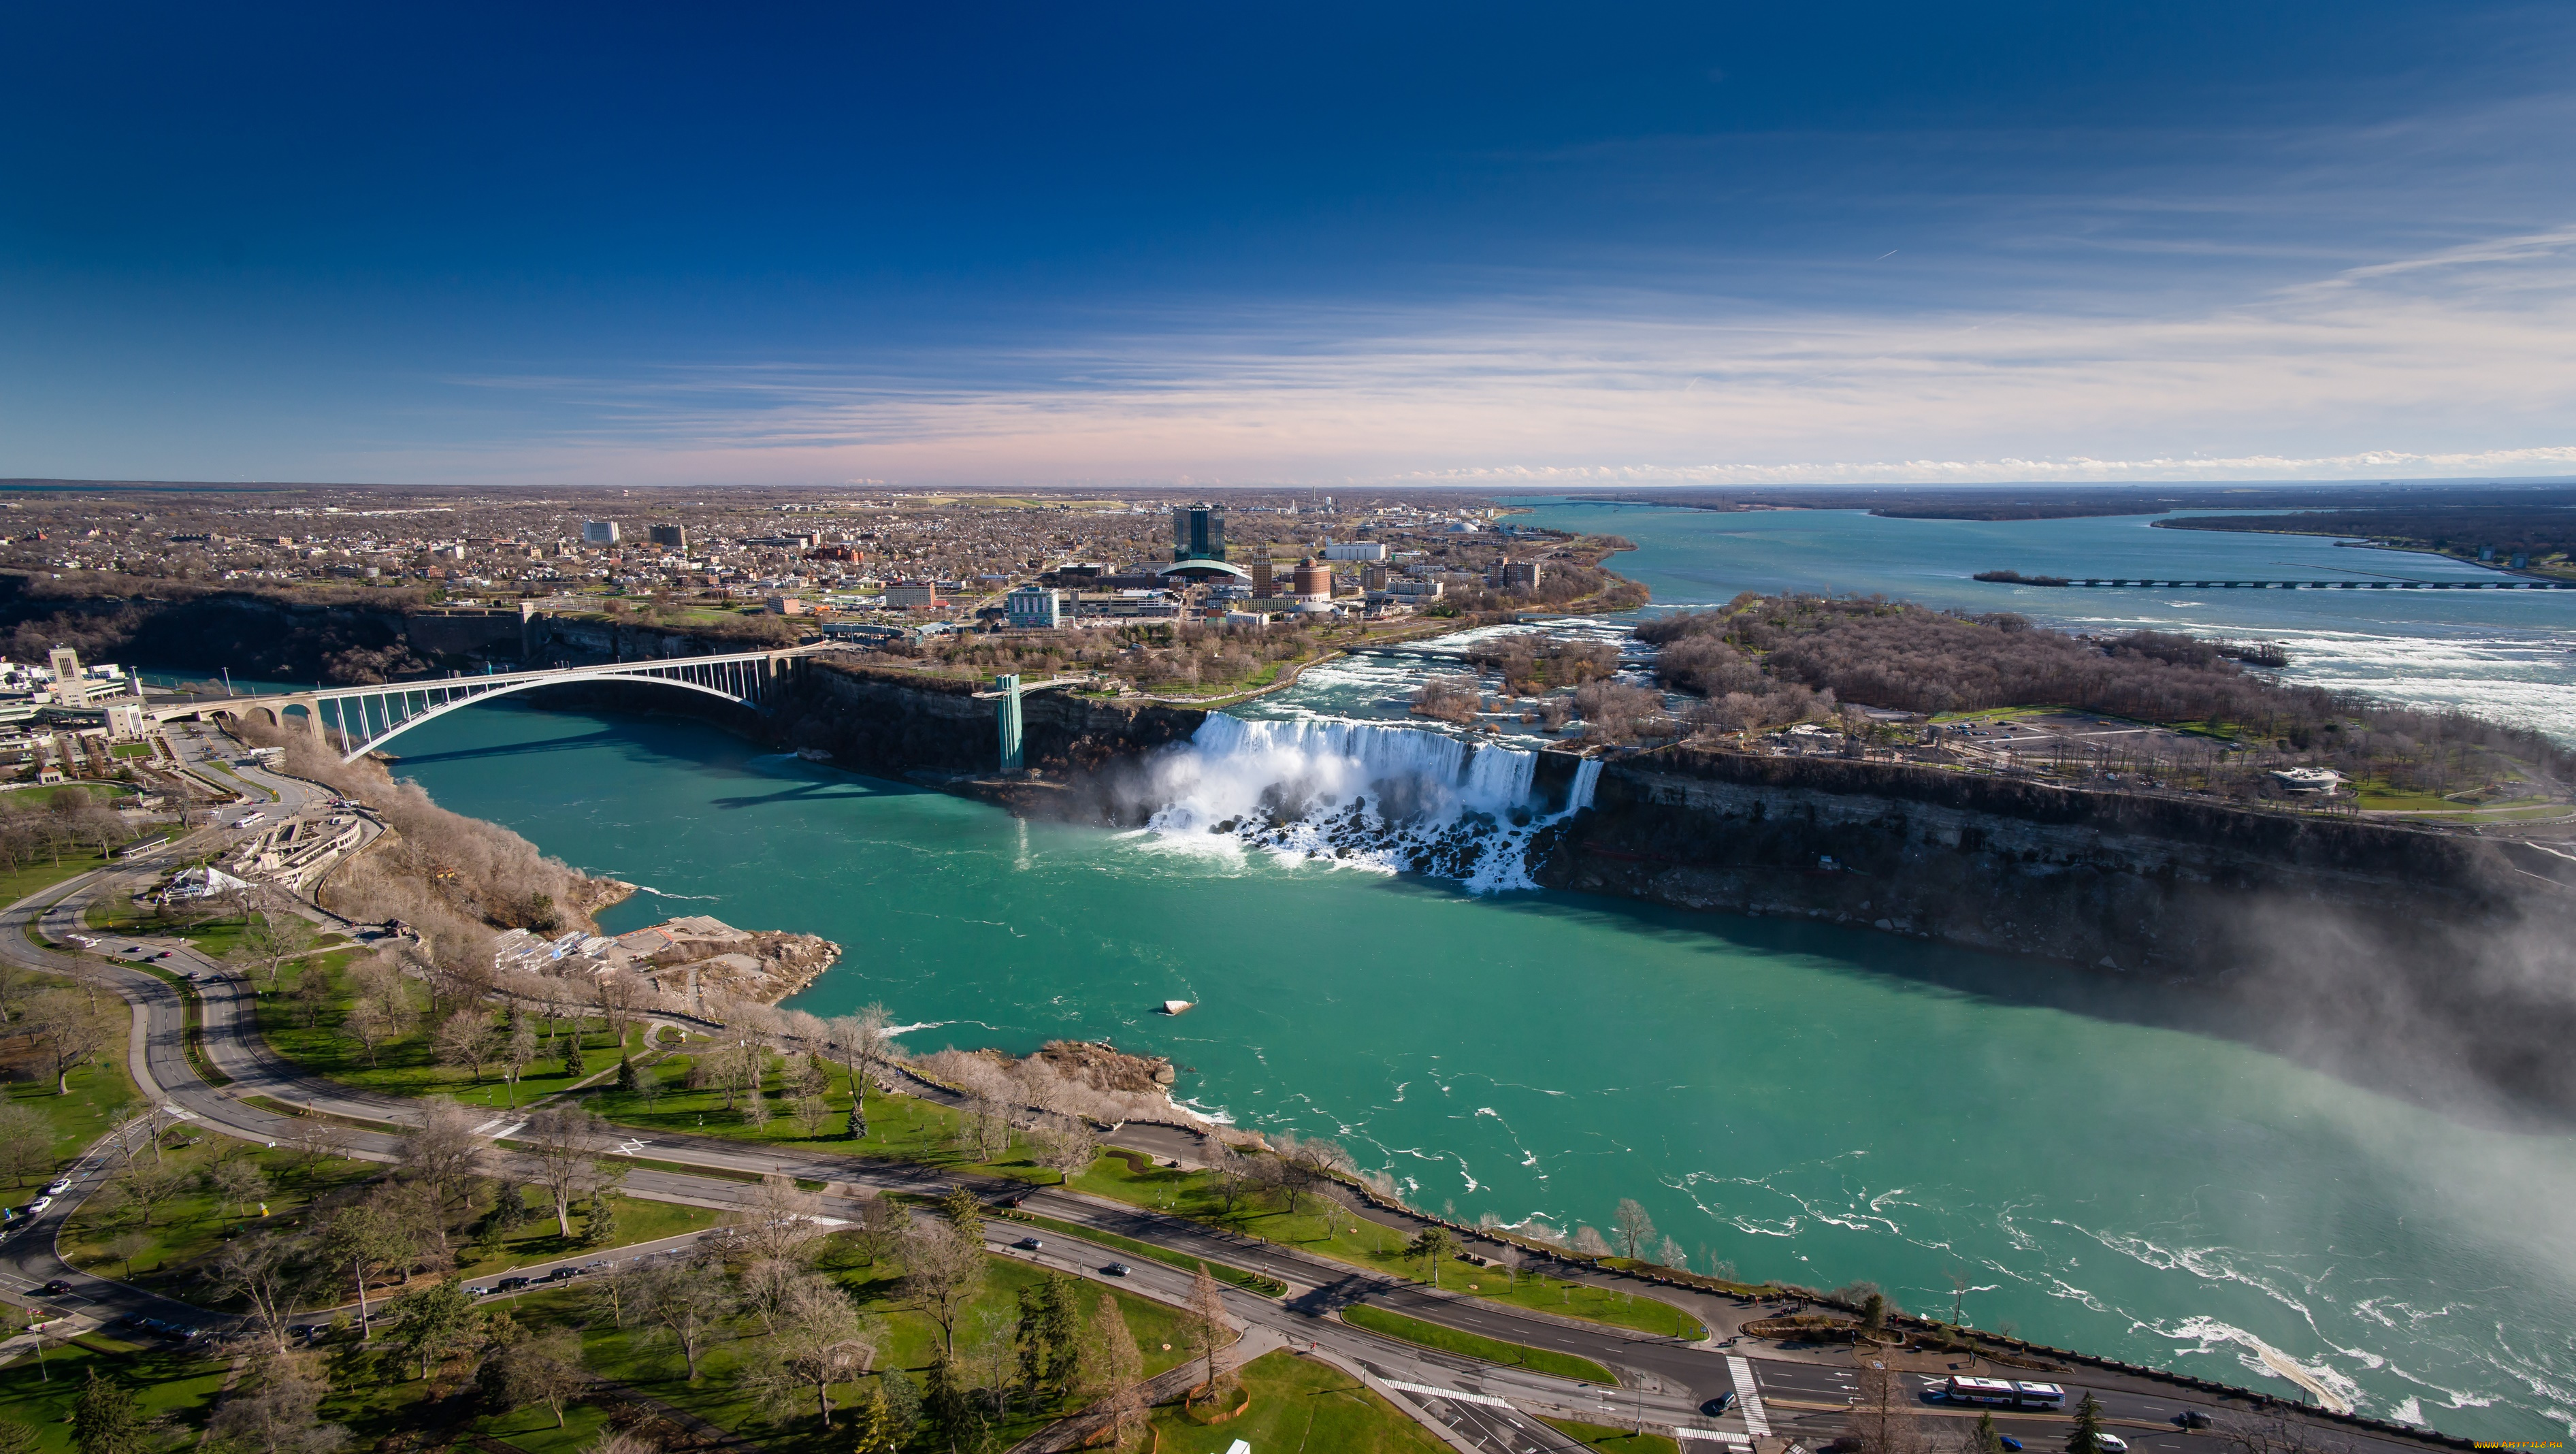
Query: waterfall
column 1586, row 773
column 1362, row 794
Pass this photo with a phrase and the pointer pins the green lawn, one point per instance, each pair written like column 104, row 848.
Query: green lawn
column 189, row 1229
column 178, row 1387
column 101, row 1094
column 1610, row 1440
column 909, row 1341
column 408, row 1066
column 1300, row 1404
column 1363, row 1243
column 18, row 883
column 1472, row 1345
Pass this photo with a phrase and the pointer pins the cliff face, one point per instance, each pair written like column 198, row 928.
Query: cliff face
column 889, row 722
column 2447, row 948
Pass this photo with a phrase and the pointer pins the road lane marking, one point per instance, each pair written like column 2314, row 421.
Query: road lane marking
column 1488, row 1400
column 1715, row 1436
column 1740, row 1373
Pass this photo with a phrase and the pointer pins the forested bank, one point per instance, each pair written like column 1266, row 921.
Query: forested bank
column 1762, row 661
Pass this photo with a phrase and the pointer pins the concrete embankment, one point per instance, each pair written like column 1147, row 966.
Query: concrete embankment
column 2429, row 955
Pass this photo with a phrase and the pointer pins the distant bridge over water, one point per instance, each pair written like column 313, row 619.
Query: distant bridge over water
column 2165, row 583
column 366, row 718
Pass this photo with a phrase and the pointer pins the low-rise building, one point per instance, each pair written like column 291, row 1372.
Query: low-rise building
column 1034, row 608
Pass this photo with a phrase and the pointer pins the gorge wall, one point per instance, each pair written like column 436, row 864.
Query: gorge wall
column 2409, row 953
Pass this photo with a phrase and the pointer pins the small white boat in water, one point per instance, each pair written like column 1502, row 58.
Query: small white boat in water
column 1174, row 1007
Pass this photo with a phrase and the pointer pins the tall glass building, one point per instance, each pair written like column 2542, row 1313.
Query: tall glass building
column 1198, row 532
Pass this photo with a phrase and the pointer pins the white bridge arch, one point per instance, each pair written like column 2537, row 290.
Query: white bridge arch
column 366, row 718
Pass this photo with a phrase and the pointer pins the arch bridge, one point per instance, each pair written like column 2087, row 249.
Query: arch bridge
column 366, row 718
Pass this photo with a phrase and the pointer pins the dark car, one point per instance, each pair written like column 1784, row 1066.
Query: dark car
column 562, row 1273
column 55, row 1288
column 164, row 954
column 2011, row 1444
column 1718, row 1405
column 1028, row 1244
column 1116, row 1269
column 510, row 1284
column 2188, row 1418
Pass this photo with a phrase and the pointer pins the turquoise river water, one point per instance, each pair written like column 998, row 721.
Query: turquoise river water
column 1808, row 1103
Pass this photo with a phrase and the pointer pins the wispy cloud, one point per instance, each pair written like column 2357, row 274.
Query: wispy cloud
column 2460, row 361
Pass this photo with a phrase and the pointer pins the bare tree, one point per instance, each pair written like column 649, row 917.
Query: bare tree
column 1066, row 1145
column 313, row 1140
column 565, row 1142
column 685, row 1302
column 443, row 1154
column 546, row 1369
column 467, row 1038
column 1589, row 1243
column 821, row 1340
column 276, row 935
column 239, row 1182
column 266, row 1273
column 1882, row 1417
column 277, row 1410
column 782, row 1222
column 26, row 1142
column 1634, row 1229
column 74, row 1029
column 1209, row 1329
column 1111, row 1371
column 145, row 1185
column 943, row 1270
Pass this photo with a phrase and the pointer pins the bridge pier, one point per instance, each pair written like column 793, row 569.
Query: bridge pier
column 1008, row 685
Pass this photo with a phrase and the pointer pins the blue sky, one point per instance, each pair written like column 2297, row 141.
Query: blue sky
column 1483, row 244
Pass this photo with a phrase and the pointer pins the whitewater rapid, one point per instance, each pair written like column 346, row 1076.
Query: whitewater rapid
column 1362, row 795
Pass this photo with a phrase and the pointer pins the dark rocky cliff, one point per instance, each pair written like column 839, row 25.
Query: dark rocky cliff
column 2448, row 950
column 877, row 720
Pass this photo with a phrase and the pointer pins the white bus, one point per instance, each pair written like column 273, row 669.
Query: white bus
column 2039, row 1395
column 1994, row 1391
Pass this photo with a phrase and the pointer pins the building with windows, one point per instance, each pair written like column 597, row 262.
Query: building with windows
column 912, row 596
column 599, row 532
column 69, row 689
column 1034, row 608
column 1354, row 550
column 675, row 537
column 1521, row 573
column 1198, row 532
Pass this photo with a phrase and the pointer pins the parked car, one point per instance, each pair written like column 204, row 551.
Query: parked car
column 1116, row 1269
column 1718, row 1405
column 55, row 1288
column 1028, row 1244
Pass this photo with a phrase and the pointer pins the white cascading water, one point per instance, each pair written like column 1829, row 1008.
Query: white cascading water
column 1362, row 794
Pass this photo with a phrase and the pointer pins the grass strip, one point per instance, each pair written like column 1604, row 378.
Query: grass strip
column 193, row 1020
column 287, row 1108
column 1249, row 1281
column 1476, row 1345
column 1612, row 1440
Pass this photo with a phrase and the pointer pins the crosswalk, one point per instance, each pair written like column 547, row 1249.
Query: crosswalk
column 1748, row 1397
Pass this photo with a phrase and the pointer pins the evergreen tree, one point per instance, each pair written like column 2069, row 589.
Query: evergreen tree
column 963, row 1211
column 17, row 1438
column 955, row 1421
column 1988, row 1439
column 573, row 1066
column 872, row 1423
column 1050, row 1328
column 105, row 1419
column 599, row 1229
column 629, row 1079
column 2087, row 1438
column 903, row 1406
